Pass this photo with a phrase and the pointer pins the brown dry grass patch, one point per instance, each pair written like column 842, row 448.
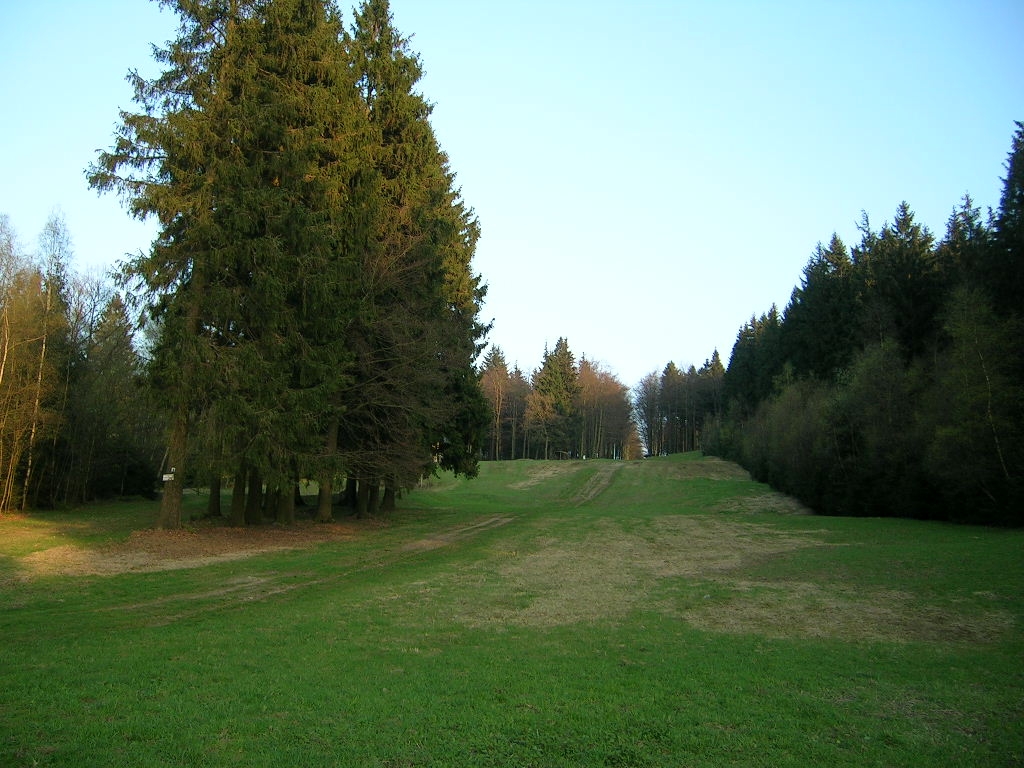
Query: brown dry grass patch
column 155, row 550
column 541, row 471
column 805, row 610
column 611, row 572
column 772, row 501
column 456, row 534
column 710, row 468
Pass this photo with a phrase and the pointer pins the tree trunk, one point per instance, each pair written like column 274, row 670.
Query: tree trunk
column 286, row 504
column 273, row 501
column 326, row 479
column 35, row 409
column 373, row 502
column 387, row 504
column 362, row 498
column 254, row 500
column 988, row 406
column 213, row 504
column 238, row 499
column 8, row 496
column 170, row 504
column 324, row 502
column 351, row 492
column 513, row 436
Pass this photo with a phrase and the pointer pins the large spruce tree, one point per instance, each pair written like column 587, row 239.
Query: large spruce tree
column 1004, row 270
column 247, row 151
column 415, row 398
column 900, row 286
column 311, row 279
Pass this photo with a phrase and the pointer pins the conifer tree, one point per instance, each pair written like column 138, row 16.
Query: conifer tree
column 820, row 324
column 311, row 279
column 961, row 254
column 554, row 408
column 710, row 379
column 755, row 363
column 246, row 152
column 1004, row 272
column 416, row 396
column 110, row 423
column 901, row 290
column 673, row 406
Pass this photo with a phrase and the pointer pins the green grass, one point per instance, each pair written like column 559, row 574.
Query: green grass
column 659, row 613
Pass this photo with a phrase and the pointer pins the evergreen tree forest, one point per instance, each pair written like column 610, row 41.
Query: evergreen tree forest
column 309, row 299
column 892, row 384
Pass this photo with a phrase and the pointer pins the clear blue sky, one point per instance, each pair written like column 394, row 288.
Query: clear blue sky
column 648, row 175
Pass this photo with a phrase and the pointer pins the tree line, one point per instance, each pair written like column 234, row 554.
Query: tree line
column 570, row 410
column 563, row 410
column 673, row 408
column 310, row 294
column 893, row 381
column 311, row 311
column 77, row 422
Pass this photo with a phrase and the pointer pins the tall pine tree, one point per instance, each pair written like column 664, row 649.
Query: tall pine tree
column 246, row 151
column 1005, row 268
column 416, row 397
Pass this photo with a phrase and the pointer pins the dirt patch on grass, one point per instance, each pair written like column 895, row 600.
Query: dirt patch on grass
column 702, row 546
column 153, row 550
column 561, row 584
column 168, row 609
column 546, row 470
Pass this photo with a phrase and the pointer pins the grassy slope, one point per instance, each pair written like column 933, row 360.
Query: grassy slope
column 659, row 613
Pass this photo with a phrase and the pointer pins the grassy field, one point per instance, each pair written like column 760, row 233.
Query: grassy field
column 661, row 613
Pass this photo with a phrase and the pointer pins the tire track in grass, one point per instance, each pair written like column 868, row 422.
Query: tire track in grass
column 596, row 484
column 168, row 609
column 456, row 534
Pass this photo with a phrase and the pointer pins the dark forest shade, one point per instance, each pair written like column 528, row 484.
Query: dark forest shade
column 892, row 384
